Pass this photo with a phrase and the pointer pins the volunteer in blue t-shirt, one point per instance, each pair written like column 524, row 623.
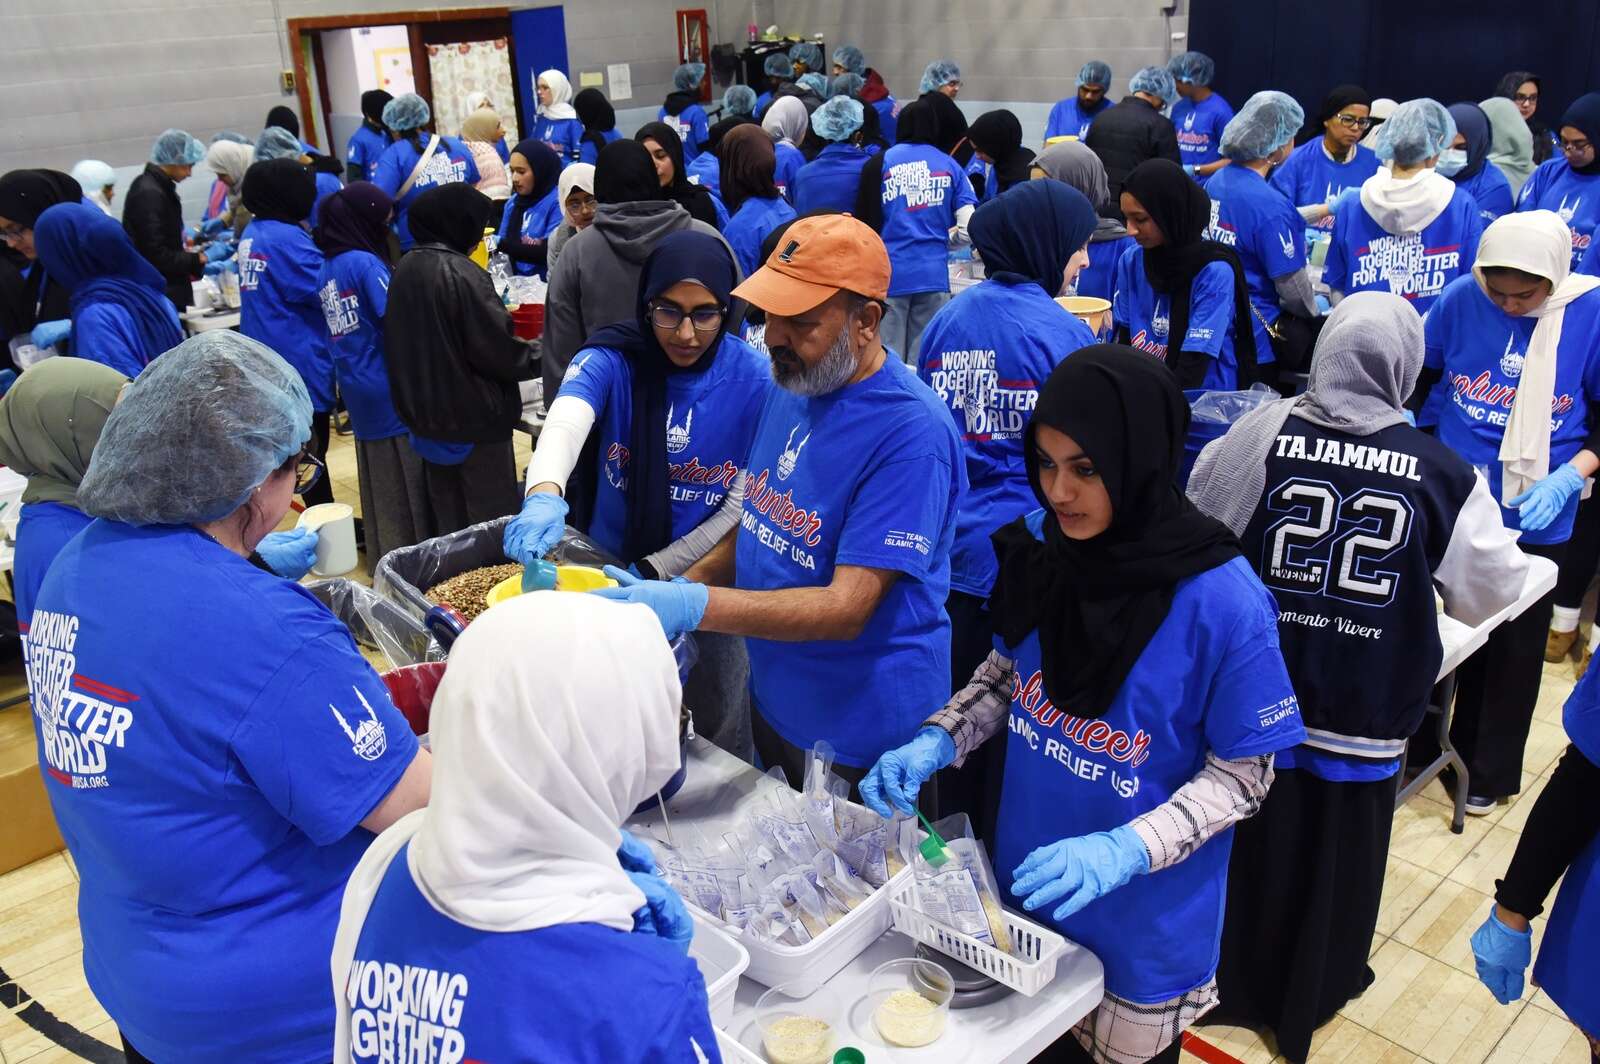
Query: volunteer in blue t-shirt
column 280, row 299
column 368, row 143
column 1412, row 231
column 1570, row 185
column 1136, row 680
column 1072, row 163
column 1518, row 346
column 996, row 138
column 539, row 930
column 1176, row 283
column 1466, row 162
column 786, row 124
column 599, row 120
column 830, row 181
column 272, row 750
column 557, row 125
column 750, row 193
column 533, row 213
column 1200, row 116
column 418, row 161
column 1070, row 118
column 848, row 59
column 682, row 111
column 1334, row 162
column 838, row 571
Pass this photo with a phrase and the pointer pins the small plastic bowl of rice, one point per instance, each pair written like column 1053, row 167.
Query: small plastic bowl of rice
column 910, row 1001
column 799, row 1027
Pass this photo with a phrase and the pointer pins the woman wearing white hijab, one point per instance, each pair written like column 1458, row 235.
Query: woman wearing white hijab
column 506, row 897
column 1519, row 344
column 98, row 180
column 575, row 193
column 786, row 124
column 229, row 160
column 558, row 124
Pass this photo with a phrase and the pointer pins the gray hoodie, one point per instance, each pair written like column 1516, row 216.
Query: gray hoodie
column 596, row 280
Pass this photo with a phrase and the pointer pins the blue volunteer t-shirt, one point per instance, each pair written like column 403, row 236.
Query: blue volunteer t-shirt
column 829, row 182
column 564, row 136
column 281, row 305
column 588, row 153
column 365, row 148
column 355, row 297
column 1210, row 679
column 1147, row 315
column 1556, row 186
column 327, row 185
column 538, row 222
column 42, row 530
column 1199, row 127
column 451, row 162
column 706, row 171
column 888, row 119
column 870, row 475
column 691, row 127
column 1480, row 351
column 425, row 988
column 1099, row 278
column 1310, row 177
column 210, row 795
column 922, row 190
column 1259, row 223
column 1364, row 257
column 1490, row 190
column 1068, row 119
column 986, row 354
column 750, row 225
column 789, row 161
column 711, row 419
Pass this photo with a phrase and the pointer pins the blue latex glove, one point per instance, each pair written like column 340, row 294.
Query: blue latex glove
column 635, row 856
column 1189, row 169
column 899, row 774
column 679, row 604
column 1324, row 306
column 212, row 228
column 537, row 528
column 50, row 333
column 289, row 554
column 214, row 269
column 1080, row 870
column 1343, row 197
column 217, row 251
column 1543, row 502
column 664, row 914
column 1411, row 419
column 1502, row 955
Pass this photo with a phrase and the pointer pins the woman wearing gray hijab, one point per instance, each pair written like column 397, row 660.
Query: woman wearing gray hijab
column 1352, row 517
column 1510, row 142
column 1072, row 163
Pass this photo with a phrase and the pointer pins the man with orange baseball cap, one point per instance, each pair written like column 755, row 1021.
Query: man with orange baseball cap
column 839, row 569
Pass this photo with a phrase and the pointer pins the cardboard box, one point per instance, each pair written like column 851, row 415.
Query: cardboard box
column 28, row 827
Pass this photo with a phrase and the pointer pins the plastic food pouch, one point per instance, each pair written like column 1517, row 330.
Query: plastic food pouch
column 961, row 893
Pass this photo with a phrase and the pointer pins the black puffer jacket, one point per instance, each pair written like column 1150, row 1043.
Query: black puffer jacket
column 1126, row 135
column 453, row 360
column 153, row 216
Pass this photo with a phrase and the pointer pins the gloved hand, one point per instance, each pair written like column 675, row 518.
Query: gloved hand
column 1080, row 870
column 289, row 554
column 50, row 333
column 217, row 251
column 1502, row 955
column 214, row 269
column 1324, row 306
column 537, row 528
column 1189, row 169
column 663, row 914
column 900, row 773
column 679, row 604
column 1543, row 502
column 635, row 855
column 210, row 229
column 1342, row 197
column 1411, row 419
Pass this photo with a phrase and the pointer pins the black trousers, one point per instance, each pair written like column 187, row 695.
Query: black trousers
column 479, row 489
column 322, row 490
column 1496, row 693
column 974, row 788
column 774, row 751
column 1583, row 554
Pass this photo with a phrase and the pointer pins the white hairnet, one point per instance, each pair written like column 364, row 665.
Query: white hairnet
column 739, row 100
column 1196, row 68
column 1267, row 121
column 1156, row 81
column 850, row 57
column 807, row 53
column 1417, row 131
column 688, row 76
column 406, row 112
column 176, row 148
column 93, row 175
column 939, row 73
column 196, row 432
column 276, row 142
column 1095, row 72
column 837, row 119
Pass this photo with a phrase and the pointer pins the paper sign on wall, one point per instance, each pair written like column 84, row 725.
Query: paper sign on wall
column 591, row 79
column 621, row 79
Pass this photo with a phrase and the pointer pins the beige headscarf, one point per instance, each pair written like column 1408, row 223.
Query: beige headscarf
column 482, row 125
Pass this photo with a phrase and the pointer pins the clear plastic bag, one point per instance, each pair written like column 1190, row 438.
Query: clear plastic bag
column 961, row 892
column 377, row 623
column 1225, row 408
column 522, row 289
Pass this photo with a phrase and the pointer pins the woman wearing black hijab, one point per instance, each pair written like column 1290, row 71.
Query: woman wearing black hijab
column 1176, row 284
column 533, row 213
column 1569, row 184
column 1142, row 694
column 666, row 151
column 368, row 143
column 1521, row 87
column 454, row 362
column 1331, row 160
column 599, row 120
column 27, row 296
column 997, row 139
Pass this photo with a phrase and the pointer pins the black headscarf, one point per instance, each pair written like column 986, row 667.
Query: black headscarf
column 998, row 134
column 284, row 118
column 280, row 190
column 453, row 215
column 939, row 122
column 356, row 218
column 1337, row 100
column 695, row 199
column 1583, row 114
column 1096, row 603
column 682, row 256
column 26, row 194
column 1508, row 87
column 625, row 173
column 596, row 114
column 1030, row 233
column 372, row 104
column 546, row 167
column 1183, row 210
column 1473, row 125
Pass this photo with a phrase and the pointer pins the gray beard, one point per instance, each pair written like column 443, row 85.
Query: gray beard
column 829, row 375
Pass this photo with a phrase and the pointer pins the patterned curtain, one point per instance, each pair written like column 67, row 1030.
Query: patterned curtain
column 459, row 71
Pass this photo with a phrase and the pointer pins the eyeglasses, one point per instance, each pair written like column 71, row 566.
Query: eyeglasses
column 586, row 205
column 1353, row 121
column 1525, row 97
column 704, row 319
column 308, row 469
column 1574, row 145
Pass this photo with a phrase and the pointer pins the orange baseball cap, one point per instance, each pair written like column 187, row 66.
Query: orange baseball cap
column 816, row 258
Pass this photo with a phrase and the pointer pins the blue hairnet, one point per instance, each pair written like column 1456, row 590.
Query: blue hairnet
column 807, row 53
column 846, row 85
column 938, row 73
column 93, row 174
column 778, row 66
column 837, row 119
column 1196, row 68
column 196, row 432
column 687, row 77
column 276, row 142
column 815, row 82
column 1156, row 81
column 850, row 57
column 1095, row 72
column 176, row 148
column 1267, row 121
column 406, row 112
column 739, row 100
column 1416, row 132
column 228, row 134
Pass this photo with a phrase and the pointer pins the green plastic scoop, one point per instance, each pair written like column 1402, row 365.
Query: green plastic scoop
column 539, row 575
column 932, row 848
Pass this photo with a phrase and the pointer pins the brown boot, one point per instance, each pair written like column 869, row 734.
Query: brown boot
column 1557, row 645
column 1583, row 662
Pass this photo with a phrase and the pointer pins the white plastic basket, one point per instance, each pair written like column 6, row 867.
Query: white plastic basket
column 722, row 961
column 1028, row 972
column 733, row 1052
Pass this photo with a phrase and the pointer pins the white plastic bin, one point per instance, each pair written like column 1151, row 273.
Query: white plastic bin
column 1038, row 948
column 722, row 961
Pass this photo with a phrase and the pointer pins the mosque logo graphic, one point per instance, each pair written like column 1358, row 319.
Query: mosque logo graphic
column 367, row 738
column 1286, row 241
column 1511, row 361
column 678, row 435
column 1567, row 212
column 791, row 454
